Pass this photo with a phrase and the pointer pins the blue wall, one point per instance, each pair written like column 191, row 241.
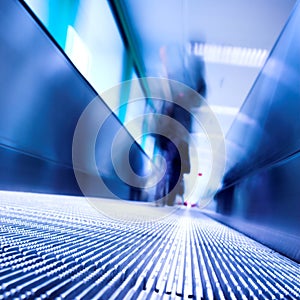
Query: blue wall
column 42, row 96
column 261, row 187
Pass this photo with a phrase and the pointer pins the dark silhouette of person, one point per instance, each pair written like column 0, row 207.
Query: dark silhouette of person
column 174, row 146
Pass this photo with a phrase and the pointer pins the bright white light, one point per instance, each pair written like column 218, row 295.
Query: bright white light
column 78, row 52
column 246, row 57
column 224, row 110
column 246, row 119
column 221, row 110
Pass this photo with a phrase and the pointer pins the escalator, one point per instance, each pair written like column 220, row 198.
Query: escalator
column 57, row 244
column 59, row 247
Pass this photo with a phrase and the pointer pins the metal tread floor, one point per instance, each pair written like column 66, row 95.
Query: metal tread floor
column 61, row 248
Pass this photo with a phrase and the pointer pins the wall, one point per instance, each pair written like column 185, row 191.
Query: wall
column 42, row 98
column 261, row 191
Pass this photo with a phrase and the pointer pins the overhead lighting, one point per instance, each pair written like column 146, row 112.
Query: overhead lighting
column 224, row 110
column 240, row 56
column 220, row 110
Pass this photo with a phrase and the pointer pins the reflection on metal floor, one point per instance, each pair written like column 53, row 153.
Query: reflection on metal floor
column 60, row 247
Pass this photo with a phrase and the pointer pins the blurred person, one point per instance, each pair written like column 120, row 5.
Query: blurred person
column 175, row 148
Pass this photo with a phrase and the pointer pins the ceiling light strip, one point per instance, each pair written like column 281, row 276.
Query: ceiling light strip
column 240, row 56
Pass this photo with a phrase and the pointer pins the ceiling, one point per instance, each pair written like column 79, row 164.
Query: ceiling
column 248, row 24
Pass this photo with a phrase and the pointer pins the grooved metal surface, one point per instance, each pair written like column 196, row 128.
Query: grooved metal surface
column 61, row 248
